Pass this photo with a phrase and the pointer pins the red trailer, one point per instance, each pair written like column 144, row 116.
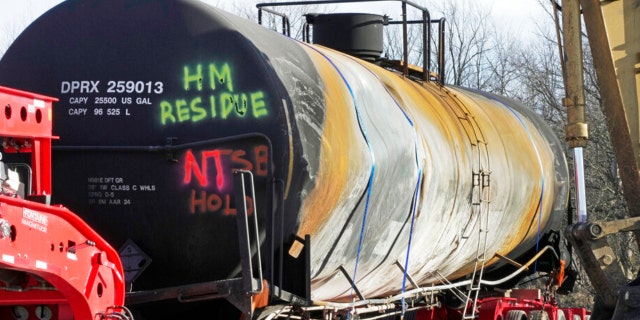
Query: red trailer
column 53, row 265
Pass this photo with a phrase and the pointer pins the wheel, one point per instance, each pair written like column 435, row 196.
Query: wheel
column 516, row 315
column 538, row 315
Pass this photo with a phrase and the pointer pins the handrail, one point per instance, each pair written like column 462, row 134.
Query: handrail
column 426, row 30
column 244, row 237
column 286, row 25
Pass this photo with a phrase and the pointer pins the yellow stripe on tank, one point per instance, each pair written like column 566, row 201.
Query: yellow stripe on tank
column 339, row 139
column 426, row 101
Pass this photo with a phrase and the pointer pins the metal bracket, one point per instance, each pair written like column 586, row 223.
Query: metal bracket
column 230, row 289
column 353, row 284
column 599, row 260
column 413, row 282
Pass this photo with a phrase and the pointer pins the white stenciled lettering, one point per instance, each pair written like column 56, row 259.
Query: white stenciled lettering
column 123, row 86
column 78, row 100
column 78, row 111
column 84, row 86
column 35, row 220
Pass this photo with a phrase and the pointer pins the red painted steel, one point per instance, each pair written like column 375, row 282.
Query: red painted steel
column 526, row 302
column 52, row 264
column 26, row 126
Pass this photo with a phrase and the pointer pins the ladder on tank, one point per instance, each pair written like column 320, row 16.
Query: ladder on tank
column 480, row 206
column 480, row 194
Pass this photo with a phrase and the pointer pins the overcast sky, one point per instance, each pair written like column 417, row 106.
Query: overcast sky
column 518, row 15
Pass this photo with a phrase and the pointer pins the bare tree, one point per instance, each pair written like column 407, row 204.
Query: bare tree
column 502, row 73
column 295, row 15
column 10, row 33
column 468, row 43
column 541, row 84
column 541, row 75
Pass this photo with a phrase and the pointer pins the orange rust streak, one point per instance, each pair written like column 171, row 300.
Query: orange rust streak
column 526, row 227
column 431, row 95
column 338, row 139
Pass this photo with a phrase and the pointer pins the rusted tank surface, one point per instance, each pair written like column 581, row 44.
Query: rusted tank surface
column 161, row 100
column 466, row 161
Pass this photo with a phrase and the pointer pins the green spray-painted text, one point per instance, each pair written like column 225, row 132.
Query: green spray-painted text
column 221, row 102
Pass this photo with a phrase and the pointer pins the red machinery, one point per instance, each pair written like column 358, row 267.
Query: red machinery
column 516, row 304
column 52, row 264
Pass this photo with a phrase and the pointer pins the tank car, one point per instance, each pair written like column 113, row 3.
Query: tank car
column 160, row 101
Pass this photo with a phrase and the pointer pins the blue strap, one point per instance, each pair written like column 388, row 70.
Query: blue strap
column 373, row 166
